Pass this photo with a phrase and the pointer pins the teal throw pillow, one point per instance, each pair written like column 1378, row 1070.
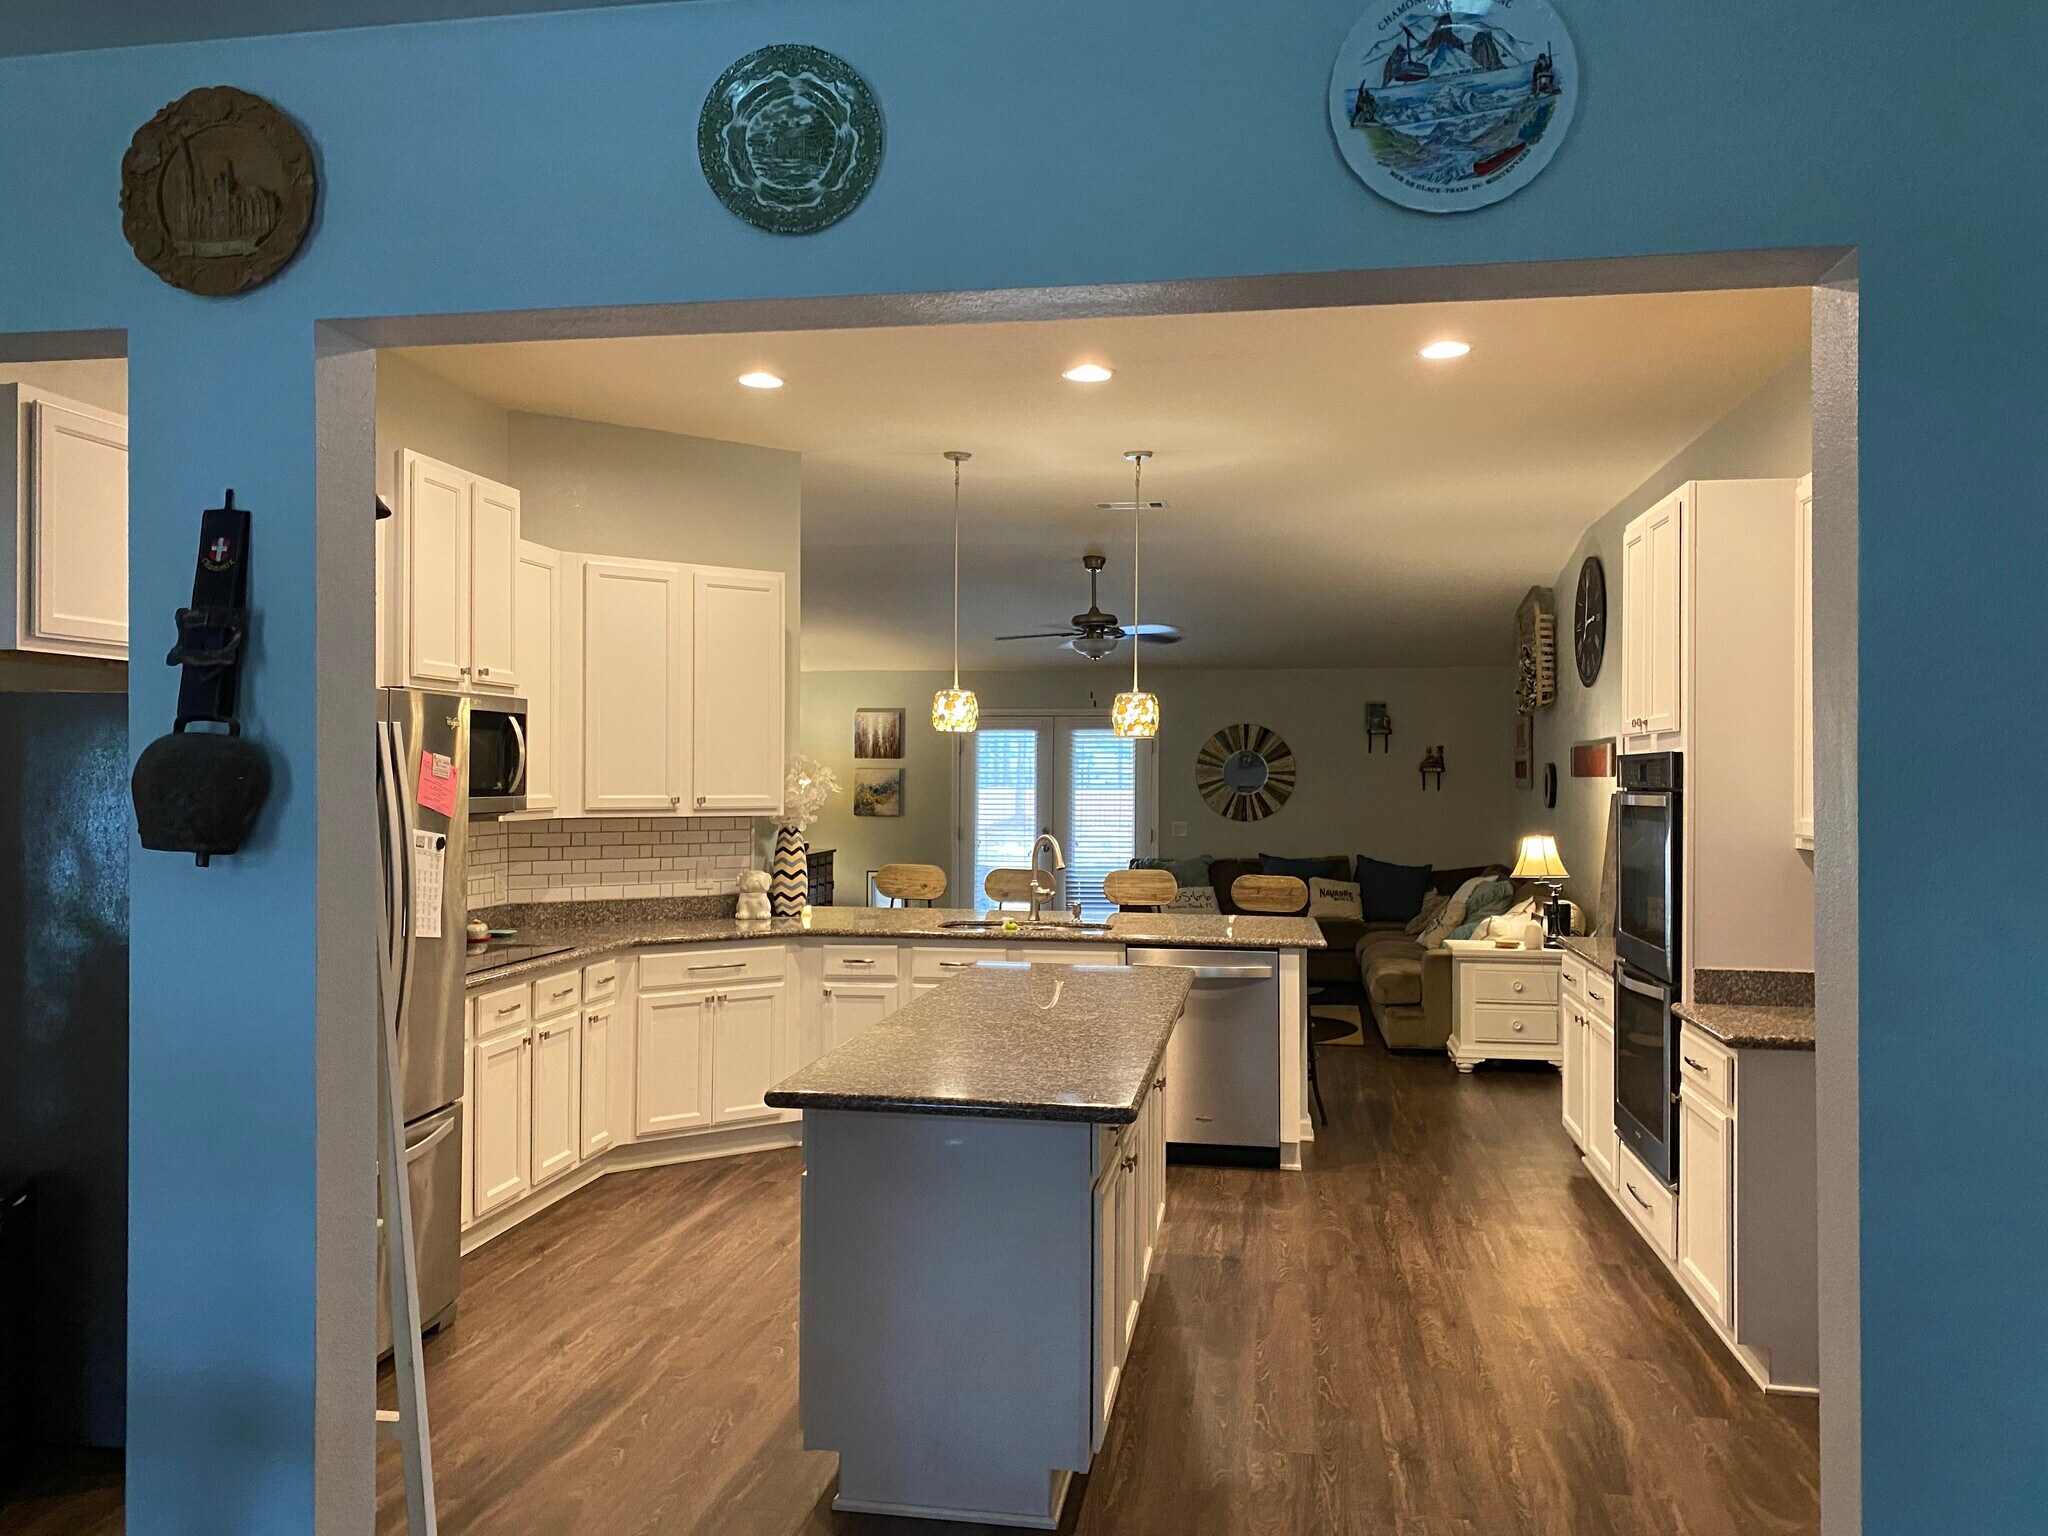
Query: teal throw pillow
column 1489, row 900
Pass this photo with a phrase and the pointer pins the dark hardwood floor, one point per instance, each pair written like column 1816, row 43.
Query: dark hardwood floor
column 1440, row 1329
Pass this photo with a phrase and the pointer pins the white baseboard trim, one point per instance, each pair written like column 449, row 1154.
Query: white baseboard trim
column 659, row 1152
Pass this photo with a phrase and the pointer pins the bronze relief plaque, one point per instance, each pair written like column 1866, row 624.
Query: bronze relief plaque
column 217, row 191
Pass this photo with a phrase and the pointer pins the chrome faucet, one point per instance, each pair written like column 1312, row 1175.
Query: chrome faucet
column 1043, row 886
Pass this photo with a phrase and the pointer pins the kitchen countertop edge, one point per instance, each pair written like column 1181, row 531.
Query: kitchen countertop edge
column 1749, row 1027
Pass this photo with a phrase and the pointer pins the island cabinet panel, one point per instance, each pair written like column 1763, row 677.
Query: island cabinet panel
column 949, row 1311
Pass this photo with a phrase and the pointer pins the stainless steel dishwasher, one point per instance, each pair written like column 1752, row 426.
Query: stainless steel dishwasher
column 1223, row 1061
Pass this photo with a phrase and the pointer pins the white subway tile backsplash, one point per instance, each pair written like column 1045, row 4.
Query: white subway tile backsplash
column 605, row 858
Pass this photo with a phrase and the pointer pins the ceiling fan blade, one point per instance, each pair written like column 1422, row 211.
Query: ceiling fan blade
column 1156, row 634
column 1050, row 634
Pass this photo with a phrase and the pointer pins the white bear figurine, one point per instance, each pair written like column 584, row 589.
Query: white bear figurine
column 753, row 903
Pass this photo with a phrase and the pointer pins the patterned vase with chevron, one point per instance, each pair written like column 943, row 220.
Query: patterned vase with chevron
column 789, row 883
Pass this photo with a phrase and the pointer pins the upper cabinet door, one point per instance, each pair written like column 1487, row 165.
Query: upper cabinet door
column 1802, row 671
column 1665, row 702
column 1635, row 628
column 493, row 585
column 434, row 585
column 738, row 692
column 635, row 681
column 536, row 652
column 77, row 533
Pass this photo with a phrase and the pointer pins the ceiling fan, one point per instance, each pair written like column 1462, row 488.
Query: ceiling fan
column 1096, row 634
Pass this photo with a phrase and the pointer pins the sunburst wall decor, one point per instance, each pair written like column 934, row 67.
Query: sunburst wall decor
column 1245, row 772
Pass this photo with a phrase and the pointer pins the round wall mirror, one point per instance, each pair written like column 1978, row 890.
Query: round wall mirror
column 1245, row 772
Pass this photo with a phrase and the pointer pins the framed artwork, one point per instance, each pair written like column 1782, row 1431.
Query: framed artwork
column 1525, row 751
column 878, row 791
column 878, row 734
column 1593, row 759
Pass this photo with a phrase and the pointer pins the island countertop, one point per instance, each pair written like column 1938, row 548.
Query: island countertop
column 589, row 930
column 1008, row 1041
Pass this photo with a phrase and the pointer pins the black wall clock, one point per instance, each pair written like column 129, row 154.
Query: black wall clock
column 1589, row 623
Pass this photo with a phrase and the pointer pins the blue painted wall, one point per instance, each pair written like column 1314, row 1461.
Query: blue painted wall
column 548, row 161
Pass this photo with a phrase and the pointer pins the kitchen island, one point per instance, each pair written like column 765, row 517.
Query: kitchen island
column 984, row 1178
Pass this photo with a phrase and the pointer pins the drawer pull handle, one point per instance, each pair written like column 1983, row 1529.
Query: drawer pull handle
column 856, row 962
column 1595, row 995
column 730, row 965
column 1638, row 1198
column 1696, row 1066
column 508, row 1008
column 957, row 965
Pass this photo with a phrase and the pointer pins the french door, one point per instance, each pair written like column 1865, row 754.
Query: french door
column 1069, row 775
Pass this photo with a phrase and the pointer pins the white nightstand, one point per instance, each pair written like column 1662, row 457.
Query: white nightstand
column 1503, row 1004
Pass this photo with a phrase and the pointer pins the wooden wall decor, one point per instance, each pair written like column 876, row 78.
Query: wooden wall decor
column 217, row 192
column 1536, row 651
column 1593, row 759
column 1245, row 772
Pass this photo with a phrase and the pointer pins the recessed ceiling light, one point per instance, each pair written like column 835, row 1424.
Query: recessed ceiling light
column 1443, row 351
column 1088, row 373
column 760, row 379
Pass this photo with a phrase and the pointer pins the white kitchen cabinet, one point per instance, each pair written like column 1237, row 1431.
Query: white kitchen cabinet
column 1654, row 619
column 750, row 1028
column 854, row 1006
column 737, row 688
column 493, row 585
column 468, row 1112
column 672, row 1041
column 451, row 583
column 556, row 1094
column 1109, row 1246
column 1573, row 1067
column 1802, row 670
column 1706, row 1205
column 502, row 1093
column 1603, row 1142
column 598, row 1083
column 67, row 579
column 634, row 678
column 536, row 662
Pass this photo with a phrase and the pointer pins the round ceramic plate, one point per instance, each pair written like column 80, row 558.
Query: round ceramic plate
column 1449, row 105
column 790, row 139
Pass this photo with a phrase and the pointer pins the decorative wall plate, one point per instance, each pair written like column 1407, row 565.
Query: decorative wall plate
column 1449, row 105
column 1245, row 772
column 790, row 139
column 217, row 191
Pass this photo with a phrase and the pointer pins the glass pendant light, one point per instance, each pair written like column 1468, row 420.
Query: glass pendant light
column 955, row 709
column 1136, row 713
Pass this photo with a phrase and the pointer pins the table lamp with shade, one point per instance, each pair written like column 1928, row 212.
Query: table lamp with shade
column 1539, row 861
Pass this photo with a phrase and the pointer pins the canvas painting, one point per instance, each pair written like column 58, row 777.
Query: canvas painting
column 878, row 792
column 878, row 734
column 1525, row 751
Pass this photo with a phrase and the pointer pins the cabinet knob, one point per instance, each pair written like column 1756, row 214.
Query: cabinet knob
column 1518, row 986
column 700, row 801
column 483, row 671
column 675, row 799
column 1518, row 1026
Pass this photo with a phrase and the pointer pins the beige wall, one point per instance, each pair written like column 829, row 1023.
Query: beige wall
column 1769, row 434
column 420, row 410
column 1345, row 801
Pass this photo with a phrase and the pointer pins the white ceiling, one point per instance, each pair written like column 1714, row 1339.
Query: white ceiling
column 1334, row 499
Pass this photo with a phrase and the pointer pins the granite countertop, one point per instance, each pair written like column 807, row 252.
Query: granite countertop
column 1752, row 1026
column 1596, row 949
column 590, row 929
column 1008, row 1041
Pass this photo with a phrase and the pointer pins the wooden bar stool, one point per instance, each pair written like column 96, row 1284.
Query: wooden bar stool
column 1281, row 896
column 1140, row 890
column 901, row 884
column 1007, row 886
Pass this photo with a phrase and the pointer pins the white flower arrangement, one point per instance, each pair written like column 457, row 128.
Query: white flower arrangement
column 805, row 789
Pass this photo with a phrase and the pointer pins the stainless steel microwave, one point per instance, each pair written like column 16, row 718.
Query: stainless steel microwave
column 497, row 756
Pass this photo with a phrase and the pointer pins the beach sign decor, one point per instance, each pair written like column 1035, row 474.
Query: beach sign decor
column 790, row 139
column 1450, row 105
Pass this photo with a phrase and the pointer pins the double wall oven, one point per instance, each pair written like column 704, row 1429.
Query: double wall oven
column 1649, row 844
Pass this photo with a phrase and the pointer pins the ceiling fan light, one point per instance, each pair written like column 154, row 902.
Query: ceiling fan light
column 955, row 710
column 1135, row 715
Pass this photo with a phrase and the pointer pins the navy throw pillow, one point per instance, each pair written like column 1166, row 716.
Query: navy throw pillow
column 1391, row 893
column 1305, row 870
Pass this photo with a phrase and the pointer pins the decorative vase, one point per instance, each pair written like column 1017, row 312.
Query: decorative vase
column 789, row 883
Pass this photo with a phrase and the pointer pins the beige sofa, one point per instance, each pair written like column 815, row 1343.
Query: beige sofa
column 1407, row 987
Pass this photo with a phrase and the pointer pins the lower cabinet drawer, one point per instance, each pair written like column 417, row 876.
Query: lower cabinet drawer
column 1513, row 983
column 704, row 967
column 553, row 995
column 1652, row 1207
column 939, row 962
column 860, row 962
column 1502, row 1024
column 1705, row 1065
column 601, row 981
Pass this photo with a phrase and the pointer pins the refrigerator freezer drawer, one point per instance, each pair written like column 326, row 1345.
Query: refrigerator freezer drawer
column 433, row 1162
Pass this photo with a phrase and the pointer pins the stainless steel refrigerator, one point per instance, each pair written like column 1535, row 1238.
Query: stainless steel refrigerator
column 423, row 806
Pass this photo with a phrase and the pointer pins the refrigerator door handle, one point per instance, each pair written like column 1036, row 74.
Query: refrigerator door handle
column 400, row 880
column 428, row 1142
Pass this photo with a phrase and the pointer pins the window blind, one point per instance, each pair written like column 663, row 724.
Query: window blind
column 1005, row 803
column 1102, row 815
